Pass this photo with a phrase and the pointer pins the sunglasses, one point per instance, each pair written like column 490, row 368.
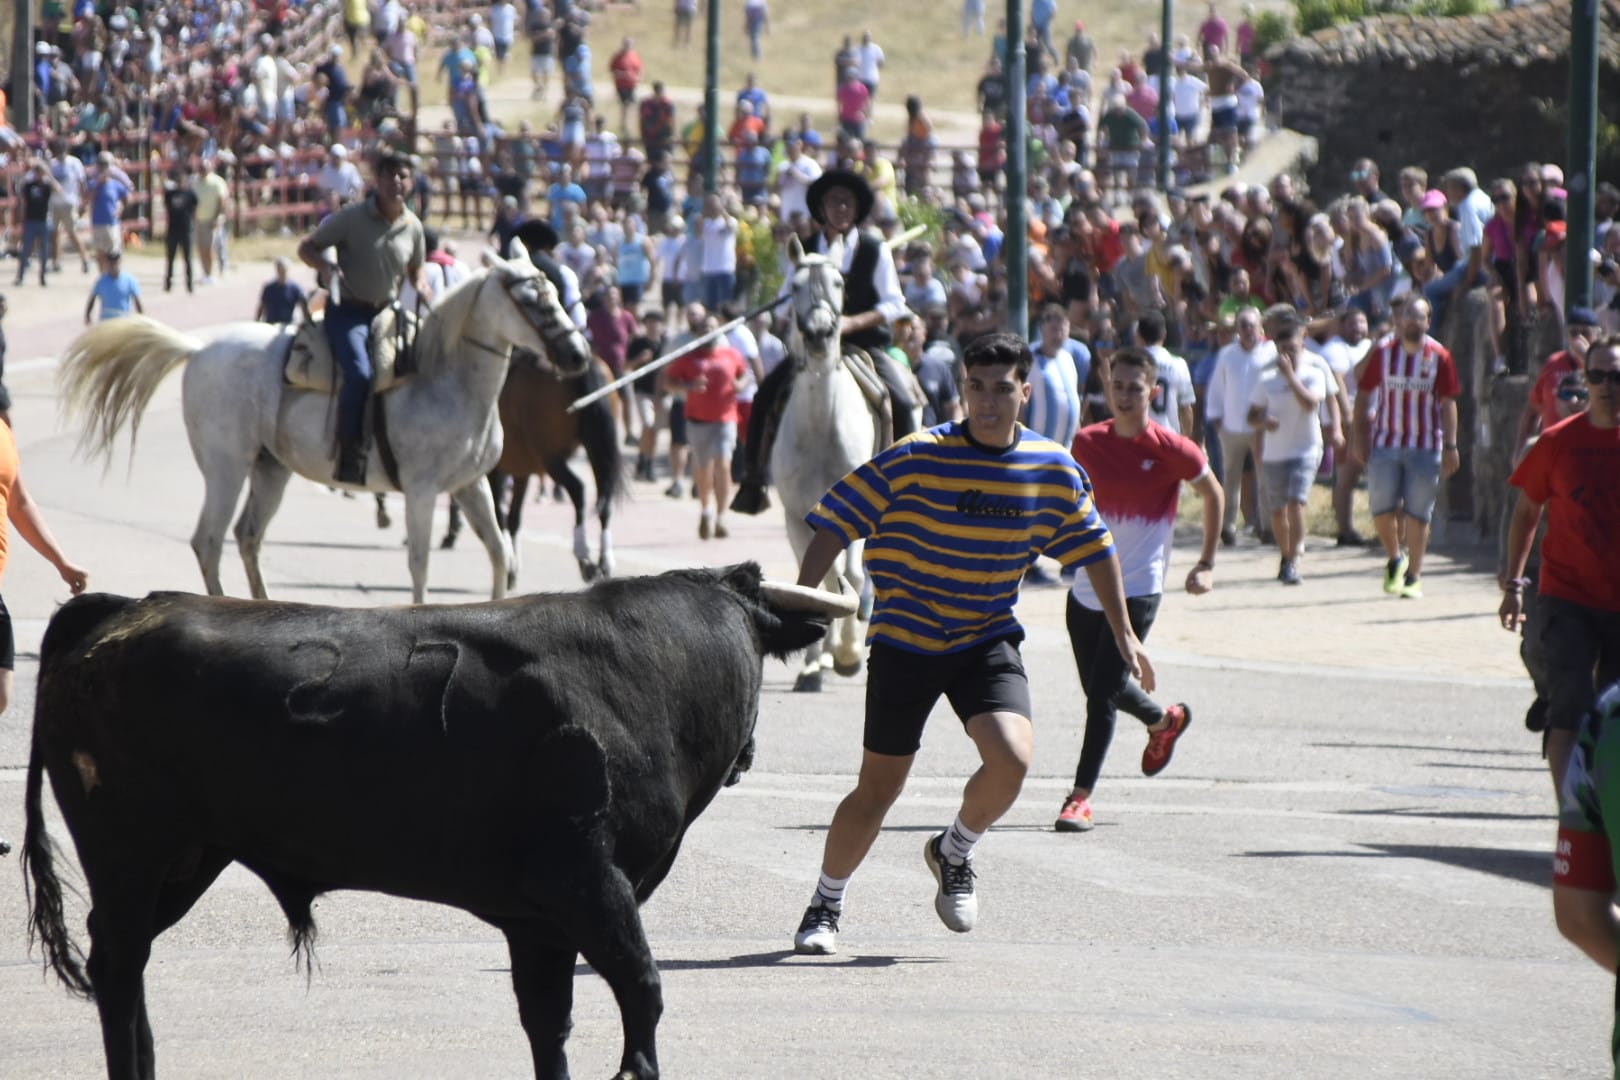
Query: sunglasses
column 1598, row 378
column 1573, row 393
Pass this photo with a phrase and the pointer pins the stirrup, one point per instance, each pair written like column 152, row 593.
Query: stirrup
column 751, row 498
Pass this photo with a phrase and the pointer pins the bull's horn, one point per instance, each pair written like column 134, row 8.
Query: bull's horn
column 802, row 598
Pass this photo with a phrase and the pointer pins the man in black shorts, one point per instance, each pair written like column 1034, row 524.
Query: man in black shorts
column 952, row 517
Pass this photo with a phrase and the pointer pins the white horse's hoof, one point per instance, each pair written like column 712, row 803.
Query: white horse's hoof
column 587, row 570
column 511, row 579
column 848, row 668
column 808, row 682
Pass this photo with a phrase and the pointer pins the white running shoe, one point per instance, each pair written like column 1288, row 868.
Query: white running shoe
column 818, row 931
column 955, row 902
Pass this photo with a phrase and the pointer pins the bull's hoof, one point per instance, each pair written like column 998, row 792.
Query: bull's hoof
column 808, row 683
column 449, row 540
column 849, row 670
column 383, row 520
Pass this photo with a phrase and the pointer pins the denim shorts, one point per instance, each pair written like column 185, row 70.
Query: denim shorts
column 1288, row 481
column 711, row 440
column 1403, row 477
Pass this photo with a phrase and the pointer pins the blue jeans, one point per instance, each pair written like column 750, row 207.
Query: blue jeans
column 347, row 330
column 34, row 233
column 718, row 289
column 335, row 116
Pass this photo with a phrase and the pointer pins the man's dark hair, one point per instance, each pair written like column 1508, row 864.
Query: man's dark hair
column 998, row 349
column 1150, row 325
column 430, row 238
column 1140, row 359
column 390, row 163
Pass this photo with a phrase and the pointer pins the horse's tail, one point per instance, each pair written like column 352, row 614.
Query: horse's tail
column 599, row 435
column 110, row 372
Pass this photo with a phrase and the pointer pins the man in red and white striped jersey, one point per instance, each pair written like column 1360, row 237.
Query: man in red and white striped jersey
column 1406, row 433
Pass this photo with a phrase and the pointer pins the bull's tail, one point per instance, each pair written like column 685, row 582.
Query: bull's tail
column 110, row 372
column 45, row 922
column 68, row 629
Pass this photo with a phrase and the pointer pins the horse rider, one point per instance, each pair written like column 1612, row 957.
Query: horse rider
column 540, row 240
column 838, row 201
column 379, row 243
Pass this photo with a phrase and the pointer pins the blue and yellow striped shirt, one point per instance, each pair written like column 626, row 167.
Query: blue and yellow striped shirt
column 951, row 526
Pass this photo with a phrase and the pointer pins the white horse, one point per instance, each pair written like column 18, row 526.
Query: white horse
column 827, row 429
column 246, row 424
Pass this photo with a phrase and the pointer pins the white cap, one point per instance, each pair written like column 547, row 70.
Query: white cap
column 43, row 48
column 340, row 151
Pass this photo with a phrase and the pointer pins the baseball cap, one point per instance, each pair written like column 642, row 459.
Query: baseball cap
column 1582, row 316
column 1434, row 200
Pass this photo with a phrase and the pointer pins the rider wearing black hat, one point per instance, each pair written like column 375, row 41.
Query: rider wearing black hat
column 538, row 239
column 838, row 201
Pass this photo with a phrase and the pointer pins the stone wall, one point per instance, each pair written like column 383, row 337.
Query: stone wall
column 1487, row 117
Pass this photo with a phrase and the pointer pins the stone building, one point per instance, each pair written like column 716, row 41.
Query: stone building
column 1488, row 90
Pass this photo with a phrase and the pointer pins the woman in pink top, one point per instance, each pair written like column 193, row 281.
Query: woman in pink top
column 854, row 104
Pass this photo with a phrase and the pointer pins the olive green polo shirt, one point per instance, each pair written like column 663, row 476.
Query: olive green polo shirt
column 374, row 254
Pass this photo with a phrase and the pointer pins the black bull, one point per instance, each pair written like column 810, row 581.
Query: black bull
column 534, row 761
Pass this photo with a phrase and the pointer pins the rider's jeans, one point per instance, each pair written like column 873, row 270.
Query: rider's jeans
column 347, row 327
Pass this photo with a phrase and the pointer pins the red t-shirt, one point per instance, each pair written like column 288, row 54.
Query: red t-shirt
column 1107, row 248
column 991, row 154
column 626, row 68
column 1544, row 394
column 610, row 335
column 721, row 366
column 1573, row 470
column 1136, row 486
column 1412, row 385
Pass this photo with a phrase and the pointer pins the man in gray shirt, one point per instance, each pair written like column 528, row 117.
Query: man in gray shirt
column 378, row 243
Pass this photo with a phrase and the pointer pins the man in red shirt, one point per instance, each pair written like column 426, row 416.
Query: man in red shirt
column 1136, row 468
column 1541, row 411
column 1406, row 434
column 626, row 69
column 657, row 121
column 1573, row 471
column 710, row 378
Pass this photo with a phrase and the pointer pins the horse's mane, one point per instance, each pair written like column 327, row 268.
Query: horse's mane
column 447, row 320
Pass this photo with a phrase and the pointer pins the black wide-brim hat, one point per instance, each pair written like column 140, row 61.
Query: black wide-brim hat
column 537, row 235
column 835, row 178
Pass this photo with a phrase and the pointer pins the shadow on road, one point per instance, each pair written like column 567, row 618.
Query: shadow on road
column 1530, row 867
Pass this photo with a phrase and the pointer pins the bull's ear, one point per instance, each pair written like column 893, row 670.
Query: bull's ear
column 519, row 253
column 818, row 602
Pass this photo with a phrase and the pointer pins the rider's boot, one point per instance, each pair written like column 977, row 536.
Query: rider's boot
column 351, row 466
column 751, row 497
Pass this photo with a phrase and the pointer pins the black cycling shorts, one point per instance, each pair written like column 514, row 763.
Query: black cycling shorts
column 902, row 687
column 8, row 642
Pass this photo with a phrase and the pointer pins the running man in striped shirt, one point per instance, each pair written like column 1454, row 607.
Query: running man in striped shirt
column 952, row 517
column 1406, row 434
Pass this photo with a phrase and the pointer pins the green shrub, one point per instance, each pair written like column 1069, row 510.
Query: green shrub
column 1271, row 28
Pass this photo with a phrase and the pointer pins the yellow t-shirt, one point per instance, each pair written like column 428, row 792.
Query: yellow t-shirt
column 356, row 12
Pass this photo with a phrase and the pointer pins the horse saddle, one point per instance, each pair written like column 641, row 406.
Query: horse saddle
column 862, row 365
column 310, row 365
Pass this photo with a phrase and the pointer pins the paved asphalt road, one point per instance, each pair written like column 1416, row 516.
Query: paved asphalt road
column 1343, row 874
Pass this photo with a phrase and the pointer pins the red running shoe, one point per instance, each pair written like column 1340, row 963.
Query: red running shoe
column 1075, row 816
column 1161, row 744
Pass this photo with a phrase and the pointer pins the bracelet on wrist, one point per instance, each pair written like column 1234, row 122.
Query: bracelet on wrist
column 1517, row 584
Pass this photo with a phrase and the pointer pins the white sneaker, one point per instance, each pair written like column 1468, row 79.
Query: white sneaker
column 818, row 931
column 955, row 902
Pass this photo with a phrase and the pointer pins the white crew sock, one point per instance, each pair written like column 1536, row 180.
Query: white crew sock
column 958, row 841
column 830, row 892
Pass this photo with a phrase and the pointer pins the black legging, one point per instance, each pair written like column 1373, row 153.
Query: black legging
column 176, row 241
column 777, row 382
column 1106, row 680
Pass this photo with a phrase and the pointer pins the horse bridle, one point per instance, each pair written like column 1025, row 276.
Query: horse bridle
column 820, row 296
column 543, row 327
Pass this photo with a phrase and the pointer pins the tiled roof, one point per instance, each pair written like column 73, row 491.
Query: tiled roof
column 1519, row 36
